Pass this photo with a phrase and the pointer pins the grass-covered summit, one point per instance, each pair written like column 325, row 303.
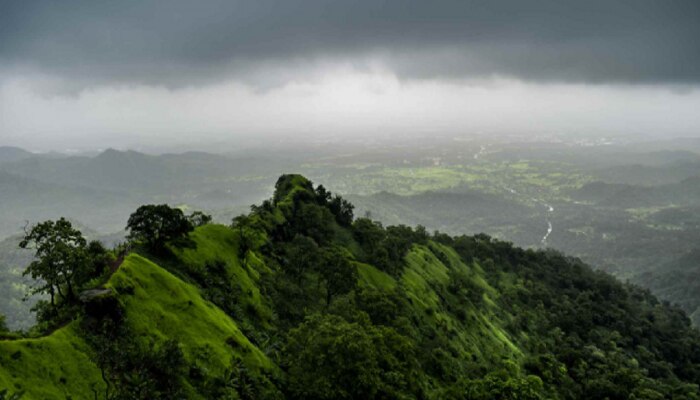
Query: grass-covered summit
column 298, row 299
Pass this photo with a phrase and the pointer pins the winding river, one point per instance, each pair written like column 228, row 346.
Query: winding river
column 547, row 206
column 547, row 219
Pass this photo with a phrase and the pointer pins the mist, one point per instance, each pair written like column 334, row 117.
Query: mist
column 85, row 76
column 339, row 104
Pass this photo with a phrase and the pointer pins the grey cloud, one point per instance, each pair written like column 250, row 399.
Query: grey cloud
column 183, row 42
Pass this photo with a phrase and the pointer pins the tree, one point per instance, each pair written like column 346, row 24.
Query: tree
column 61, row 258
column 3, row 326
column 343, row 357
column 368, row 233
column 371, row 236
column 240, row 223
column 158, row 224
column 250, row 237
column 329, row 357
column 384, row 307
column 134, row 369
column 323, row 196
column 505, row 385
column 239, row 382
column 461, row 285
column 98, row 259
column 342, row 209
column 301, row 255
column 311, row 220
column 337, row 273
column 199, row 218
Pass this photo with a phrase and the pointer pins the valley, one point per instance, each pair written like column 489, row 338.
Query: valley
column 592, row 206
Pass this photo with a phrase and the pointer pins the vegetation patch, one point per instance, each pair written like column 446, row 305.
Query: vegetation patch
column 161, row 306
column 57, row 366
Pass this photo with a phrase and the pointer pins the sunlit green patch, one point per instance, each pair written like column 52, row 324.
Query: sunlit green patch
column 479, row 334
column 369, row 275
column 57, row 366
column 218, row 243
column 160, row 306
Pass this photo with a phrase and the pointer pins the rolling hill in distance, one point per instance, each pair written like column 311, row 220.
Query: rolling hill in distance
column 629, row 230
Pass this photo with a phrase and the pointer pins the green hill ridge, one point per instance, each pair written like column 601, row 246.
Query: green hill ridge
column 300, row 300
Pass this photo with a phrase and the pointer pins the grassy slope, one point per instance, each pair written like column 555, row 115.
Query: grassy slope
column 219, row 243
column 164, row 307
column 161, row 306
column 479, row 335
column 50, row 367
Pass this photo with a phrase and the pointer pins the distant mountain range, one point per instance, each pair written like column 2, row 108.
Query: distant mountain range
column 101, row 190
column 683, row 193
column 457, row 211
column 12, row 154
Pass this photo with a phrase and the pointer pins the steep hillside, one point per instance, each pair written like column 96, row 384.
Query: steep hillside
column 158, row 307
column 300, row 300
column 678, row 282
column 52, row 367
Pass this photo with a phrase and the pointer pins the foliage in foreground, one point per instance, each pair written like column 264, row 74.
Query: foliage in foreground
column 299, row 300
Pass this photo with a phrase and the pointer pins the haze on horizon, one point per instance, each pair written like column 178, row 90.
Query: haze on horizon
column 88, row 75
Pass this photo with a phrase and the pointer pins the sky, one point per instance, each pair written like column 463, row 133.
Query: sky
column 89, row 74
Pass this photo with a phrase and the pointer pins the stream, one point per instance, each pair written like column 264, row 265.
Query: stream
column 548, row 206
column 547, row 219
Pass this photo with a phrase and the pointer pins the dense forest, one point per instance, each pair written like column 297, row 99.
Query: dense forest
column 300, row 299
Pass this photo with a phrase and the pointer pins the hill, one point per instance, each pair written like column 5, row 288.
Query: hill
column 25, row 200
column 684, row 193
column 461, row 210
column 678, row 281
column 11, row 154
column 640, row 174
column 137, row 172
column 101, row 190
column 300, row 300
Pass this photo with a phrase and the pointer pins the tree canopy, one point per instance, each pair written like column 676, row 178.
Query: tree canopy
column 199, row 218
column 155, row 225
column 61, row 257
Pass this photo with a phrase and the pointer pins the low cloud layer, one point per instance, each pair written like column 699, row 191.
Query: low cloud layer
column 341, row 105
column 93, row 74
column 179, row 43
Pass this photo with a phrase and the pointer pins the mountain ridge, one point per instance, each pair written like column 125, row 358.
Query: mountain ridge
column 378, row 312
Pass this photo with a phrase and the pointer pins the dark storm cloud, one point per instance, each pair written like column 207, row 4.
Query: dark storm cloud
column 189, row 42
